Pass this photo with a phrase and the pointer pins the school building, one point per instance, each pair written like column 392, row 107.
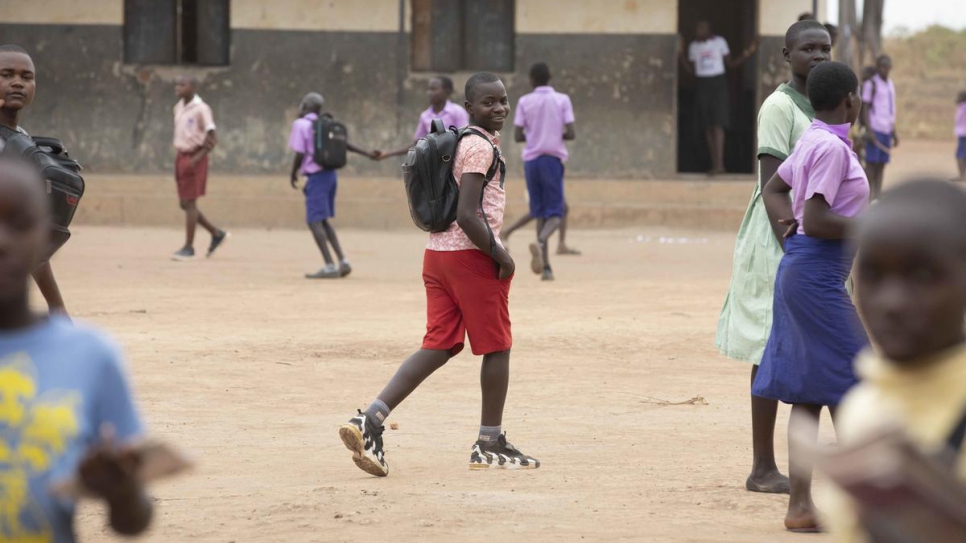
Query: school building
column 106, row 70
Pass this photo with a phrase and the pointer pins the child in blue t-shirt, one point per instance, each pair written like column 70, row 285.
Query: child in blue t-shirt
column 64, row 399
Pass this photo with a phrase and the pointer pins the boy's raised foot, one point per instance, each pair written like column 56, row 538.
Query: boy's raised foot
column 536, row 260
column 328, row 272
column 771, row 483
column 500, row 455
column 184, row 255
column 363, row 437
column 217, row 240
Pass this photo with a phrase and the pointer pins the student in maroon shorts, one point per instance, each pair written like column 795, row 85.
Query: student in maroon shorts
column 467, row 273
column 194, row 138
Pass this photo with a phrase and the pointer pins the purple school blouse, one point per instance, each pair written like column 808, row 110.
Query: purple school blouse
column 882, row 114
column 823, row 163
column 300, row 141
column 961, row 120
column 451, row 115
column 543, row 114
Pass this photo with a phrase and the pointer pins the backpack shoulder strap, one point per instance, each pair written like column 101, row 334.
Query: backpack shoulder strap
column 958, row 435
column 497, row 164
column 7, row 133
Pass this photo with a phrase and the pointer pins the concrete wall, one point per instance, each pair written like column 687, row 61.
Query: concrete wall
column 616, row 58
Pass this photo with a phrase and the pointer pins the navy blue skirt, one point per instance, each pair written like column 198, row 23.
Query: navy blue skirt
column 816, row 332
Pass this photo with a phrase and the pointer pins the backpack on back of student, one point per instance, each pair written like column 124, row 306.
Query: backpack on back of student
column 65, row 186
column 431, row 188
column 330, row 143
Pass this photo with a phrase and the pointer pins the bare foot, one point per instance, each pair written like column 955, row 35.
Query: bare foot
column 803, row 521
column 768, row 483
column 536, row 261
column 565, row 250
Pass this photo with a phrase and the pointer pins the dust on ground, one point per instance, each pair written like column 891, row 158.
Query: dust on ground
column 642, row 428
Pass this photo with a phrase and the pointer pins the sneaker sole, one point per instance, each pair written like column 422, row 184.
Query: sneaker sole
column 536, row 262
column 353, row 440
column 481, row 467
column 182, row 258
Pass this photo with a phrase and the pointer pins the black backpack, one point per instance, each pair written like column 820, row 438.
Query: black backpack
column 431, row 188
column 65, row 186
column 331, row 143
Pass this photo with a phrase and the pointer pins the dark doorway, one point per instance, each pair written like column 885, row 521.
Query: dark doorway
column 736, row 22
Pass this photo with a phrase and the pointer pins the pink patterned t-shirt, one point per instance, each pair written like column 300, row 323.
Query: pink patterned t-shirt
column 475, row 155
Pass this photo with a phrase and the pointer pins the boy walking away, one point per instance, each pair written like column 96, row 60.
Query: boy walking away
column 544, row 120
column 746, row 317
column 467, row 274
column 194, row 138
column 816, row 332
column 65, row 397
column 879, row 114
column 961, row 135
column 911, row 290
column 320, row 188
column 18, row 84
column 439, row 89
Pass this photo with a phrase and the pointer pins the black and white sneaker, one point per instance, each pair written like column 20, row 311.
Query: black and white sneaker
column 500, row 455
column 364, row 438
column 184, row 255
column 216, row 241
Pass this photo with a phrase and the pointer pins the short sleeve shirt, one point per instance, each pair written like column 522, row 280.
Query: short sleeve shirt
column 881, row 95
column 301, row 141
column 823, row 163
column 782, row 120
column 451, row 115
column 543, row 114
column 59, row 384
column 961, row 120
column 3, row 142
column 708, row 56
column 192, row 122
column 475, row 155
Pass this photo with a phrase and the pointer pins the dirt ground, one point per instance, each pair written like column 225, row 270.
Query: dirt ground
column 252, row 368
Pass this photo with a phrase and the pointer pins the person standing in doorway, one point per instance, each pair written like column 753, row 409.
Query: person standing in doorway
column 879, row 113
column 194, row 138
column 708, row 59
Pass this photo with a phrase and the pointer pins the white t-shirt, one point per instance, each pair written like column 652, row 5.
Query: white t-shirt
column 708, row 56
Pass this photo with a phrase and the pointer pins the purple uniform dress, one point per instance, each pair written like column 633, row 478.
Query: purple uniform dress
column 320, row 188
column 881, row 94
column 816, row 332
column 451, row 115
column 543, row 114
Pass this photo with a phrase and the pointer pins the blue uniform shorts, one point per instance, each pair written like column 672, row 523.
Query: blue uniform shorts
column 320, row 196
column 545, row 184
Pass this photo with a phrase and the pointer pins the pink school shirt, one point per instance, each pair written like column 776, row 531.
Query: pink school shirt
column 451, row 115
column 543, row 114
column 823, row 163
column 882, row 114
column 301, row 141
column 474, row 155
column 192, row 122
column 961, row 120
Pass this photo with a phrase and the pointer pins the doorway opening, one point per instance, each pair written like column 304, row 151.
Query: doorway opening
column 737, row 24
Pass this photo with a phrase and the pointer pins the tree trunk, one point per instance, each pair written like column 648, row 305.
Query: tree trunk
column 849, row 36
column 872, row 30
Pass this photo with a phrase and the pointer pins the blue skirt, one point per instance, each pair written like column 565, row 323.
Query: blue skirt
column 816, row 332
column 874, row 155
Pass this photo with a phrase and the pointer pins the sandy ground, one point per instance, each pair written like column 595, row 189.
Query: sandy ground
column 252, row 368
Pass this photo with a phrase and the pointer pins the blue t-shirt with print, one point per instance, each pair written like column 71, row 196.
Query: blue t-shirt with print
column 59, row 384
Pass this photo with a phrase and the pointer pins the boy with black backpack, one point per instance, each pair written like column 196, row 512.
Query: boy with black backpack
column 467, row 274
column 17, row 88
column 320, row 143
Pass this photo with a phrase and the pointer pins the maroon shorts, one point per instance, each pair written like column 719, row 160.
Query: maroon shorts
column 192, row 181
column 465, row 297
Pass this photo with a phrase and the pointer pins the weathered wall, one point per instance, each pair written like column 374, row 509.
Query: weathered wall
column 615, row 57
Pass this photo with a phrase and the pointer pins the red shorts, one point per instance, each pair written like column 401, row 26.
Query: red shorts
column 192, row 181
column 464, row 296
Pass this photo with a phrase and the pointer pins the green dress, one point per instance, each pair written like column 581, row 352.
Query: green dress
column 745, row 321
